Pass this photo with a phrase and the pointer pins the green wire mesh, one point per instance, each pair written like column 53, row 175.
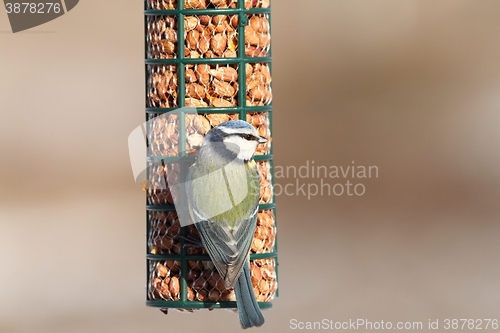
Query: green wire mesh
column 213, row 55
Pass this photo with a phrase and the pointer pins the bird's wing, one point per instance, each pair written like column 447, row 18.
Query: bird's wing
column 228, row 249
column 227, row 246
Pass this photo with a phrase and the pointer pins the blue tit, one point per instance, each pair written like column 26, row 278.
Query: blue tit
column 223, row 189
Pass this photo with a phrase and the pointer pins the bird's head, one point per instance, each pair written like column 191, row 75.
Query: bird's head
column 234, row 137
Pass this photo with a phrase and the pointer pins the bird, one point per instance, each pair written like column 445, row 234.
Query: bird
column 223, row 187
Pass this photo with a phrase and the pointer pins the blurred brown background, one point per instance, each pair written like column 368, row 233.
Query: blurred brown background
column 411, row 86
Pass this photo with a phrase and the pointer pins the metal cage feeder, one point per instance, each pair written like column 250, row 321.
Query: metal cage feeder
column 215, row 56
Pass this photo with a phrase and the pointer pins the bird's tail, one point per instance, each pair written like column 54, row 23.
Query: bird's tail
column 248, row 309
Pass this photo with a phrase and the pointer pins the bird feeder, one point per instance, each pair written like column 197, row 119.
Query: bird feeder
column 215, row 56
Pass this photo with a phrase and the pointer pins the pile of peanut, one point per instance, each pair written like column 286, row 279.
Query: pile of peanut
column 162, row 87
column 211, row 36
column 204, row 4
column 209, row 85
column 207, row 36
column 204, row 283
column 163, row 131
column 162, row 37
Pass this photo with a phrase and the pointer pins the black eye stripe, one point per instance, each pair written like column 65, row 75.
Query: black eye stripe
column 249, row 137
column 246, row 136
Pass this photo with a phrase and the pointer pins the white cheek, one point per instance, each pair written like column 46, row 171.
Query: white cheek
column 245, row 149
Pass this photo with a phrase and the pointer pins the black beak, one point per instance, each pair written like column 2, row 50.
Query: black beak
column 262, row 139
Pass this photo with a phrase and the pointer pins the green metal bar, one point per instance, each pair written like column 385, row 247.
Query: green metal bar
column 169, row 159
column 152, row 61
column 242, row 92
column 146, row 93
column 271, row 34
column 271, row 129
column 182, row 136
column 267, row 206
column 198, row 257
column 148, row 232
column 276, row 260
column 200, row 305
column 267, row 108
column 257, row 256
column 183, row 276
column 210, row 11
column 174, row 159
column 182, row 154
column 181, row 79
column 153, row 208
